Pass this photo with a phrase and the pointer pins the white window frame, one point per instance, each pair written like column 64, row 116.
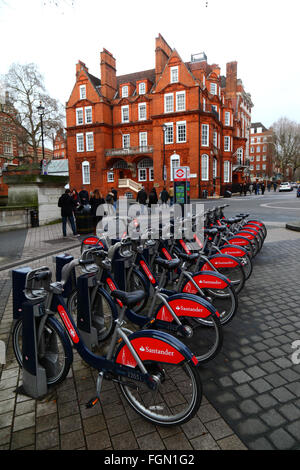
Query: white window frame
column 126, row 141
column 258, row 148
column 110, row 176
column 264, row 158
column 143, row 139
column 169, row 102
column 258, row 167
column 142, row 171
column 226, row 169
column 215, row 138
column 89, row 143
column 80, row 142
column 125, row 91
column 87, row 110
column 123, row 110
column 204, row 167
column 174, row 74
column 240, row 155
column 79, row 116
column 86, row 177
column 213, row 89
column 151, row 174
column 205, row 135
column 227, row 118
column 174, row 163
column 264, row 166
column 142, row 106
column 82, row 92
column 178, row 125
column 204, row 104
column 227, row 141
column 169, row 126
column 180, row 106
column 142, row 88
column 215, row 168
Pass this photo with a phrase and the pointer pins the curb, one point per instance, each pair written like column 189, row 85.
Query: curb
column 293, row 226
column 28, row 260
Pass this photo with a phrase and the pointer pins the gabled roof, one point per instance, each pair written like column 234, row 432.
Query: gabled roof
column 95, row 81
column 134, row 77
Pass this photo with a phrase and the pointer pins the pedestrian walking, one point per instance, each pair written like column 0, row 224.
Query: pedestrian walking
column 269, row 186
column 142, row 198
column 96, row 200
column 115, row 193
column 275, row 186
column 255, row 188
column 250, row 188
column 263, row 188
column 241, row 189
column 67, row 205
column 153, row 199
column 245, row 189
column 164, row 196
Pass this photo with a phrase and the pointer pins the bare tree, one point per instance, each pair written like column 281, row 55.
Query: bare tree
column 26, row 89
column 286, row 142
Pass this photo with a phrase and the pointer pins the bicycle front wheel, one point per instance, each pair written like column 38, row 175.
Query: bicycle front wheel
column 176, row 399
column 54, row 350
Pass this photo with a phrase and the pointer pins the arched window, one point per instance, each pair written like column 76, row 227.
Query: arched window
column 204, row 167
column 85, row 172
column 145, row 170
column 120, row 165
column 175, row 163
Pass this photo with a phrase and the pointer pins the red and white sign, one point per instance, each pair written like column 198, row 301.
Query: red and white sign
column 182, row 173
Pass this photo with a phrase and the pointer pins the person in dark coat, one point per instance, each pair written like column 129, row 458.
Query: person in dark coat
column 263, row 188
column 95, row 201
column 83, row 196
column 164, row 196
column 142, row 198
column 67, row 205
column 153, row 199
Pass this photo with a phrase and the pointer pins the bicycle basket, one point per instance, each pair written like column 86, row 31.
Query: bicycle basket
column 37, row 284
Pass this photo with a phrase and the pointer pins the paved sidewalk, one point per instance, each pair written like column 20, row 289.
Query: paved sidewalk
column 252, row 394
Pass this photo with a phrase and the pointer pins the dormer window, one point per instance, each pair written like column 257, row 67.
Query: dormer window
column 142, row 88
column 125, row 91
column 174, row 75
column 82, row 92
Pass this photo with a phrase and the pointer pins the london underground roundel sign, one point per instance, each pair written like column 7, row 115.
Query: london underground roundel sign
column 180, row 174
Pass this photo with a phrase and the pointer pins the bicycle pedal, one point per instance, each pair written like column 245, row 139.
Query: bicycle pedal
column 92, row 402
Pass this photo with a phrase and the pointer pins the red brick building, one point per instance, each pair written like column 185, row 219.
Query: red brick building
column 60, row 146
column 121, row 129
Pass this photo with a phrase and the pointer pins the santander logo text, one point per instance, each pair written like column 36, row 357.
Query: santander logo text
column 166, row 352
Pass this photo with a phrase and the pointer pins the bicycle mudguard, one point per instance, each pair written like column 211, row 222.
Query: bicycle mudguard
column 251, row 227
column 238, row 240
column 233, row 250
column 256, row 222
column 92, row 240
column 221, row 261
column 154, row 345
column 246, row 234
column 185, row 305
column 206, row 280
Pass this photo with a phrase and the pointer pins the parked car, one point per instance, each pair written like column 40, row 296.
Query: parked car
column 294, row 184
column 285, row 187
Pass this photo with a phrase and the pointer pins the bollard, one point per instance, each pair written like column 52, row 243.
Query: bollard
column 60, row 261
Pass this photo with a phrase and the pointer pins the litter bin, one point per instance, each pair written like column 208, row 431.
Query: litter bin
column 34, row 218
column 84, row 223
column 204, row 194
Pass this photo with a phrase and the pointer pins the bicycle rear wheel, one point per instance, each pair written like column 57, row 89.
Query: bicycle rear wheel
column 54, row 351
column 236, row 276
column 176, row 399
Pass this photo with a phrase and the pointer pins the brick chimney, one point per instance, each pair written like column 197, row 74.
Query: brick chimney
column 231, row 77
column 162, row 54
column 80, row 65
column 108, row 74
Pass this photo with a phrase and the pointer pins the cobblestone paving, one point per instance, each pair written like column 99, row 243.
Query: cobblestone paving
column 253, row 383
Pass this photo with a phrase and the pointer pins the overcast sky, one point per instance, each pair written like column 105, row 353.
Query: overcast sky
column 261, row 35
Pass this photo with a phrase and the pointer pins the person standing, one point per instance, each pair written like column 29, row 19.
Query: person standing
column 263, row 188
column 142, row 198
column 269, row 186
column 250, row 188
column 115, row 193
column 67, row 205
column 275, row 186
column 255, row 188
column 95, row 202
column 245, row 189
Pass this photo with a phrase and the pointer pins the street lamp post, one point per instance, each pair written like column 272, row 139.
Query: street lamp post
column 164, row 128
column 41, row 111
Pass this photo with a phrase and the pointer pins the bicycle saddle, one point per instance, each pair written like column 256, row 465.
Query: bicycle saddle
column 210, row 231
column 186, row 257
column 167, row 264
column 130, row 299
